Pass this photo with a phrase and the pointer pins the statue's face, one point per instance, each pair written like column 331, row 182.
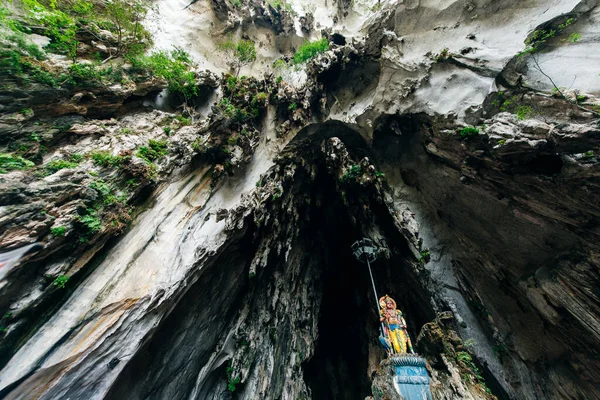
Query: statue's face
column 389, row 304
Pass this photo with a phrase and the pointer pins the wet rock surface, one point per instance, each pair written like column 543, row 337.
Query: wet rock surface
column 208, row 256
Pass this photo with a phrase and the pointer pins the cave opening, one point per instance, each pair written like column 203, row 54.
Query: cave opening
column 347, row 349
column 338, row 369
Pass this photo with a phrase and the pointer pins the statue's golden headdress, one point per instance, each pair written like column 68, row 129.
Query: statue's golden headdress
column 383, row 301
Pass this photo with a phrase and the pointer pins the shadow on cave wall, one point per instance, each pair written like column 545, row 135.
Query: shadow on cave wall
column 170, row 362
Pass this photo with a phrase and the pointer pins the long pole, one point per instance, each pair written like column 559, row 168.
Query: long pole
column 375, row 293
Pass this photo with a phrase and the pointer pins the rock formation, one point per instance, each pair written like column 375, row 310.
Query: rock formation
column 196, row 218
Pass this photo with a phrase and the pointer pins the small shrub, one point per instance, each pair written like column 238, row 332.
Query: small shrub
column 352, row 174
column 91, row 223
column 238, row 54
column 524, row 112
column 574, row 37
column 61, row 281
column 175, row 67
column 58, row 231
column 84, row 74
column 468, row 132
column 8, row 162
column 106, row 159
column 183, row 120
column 444, row 54
column 293, row 107
column 425, row 256
column 279, row 64
column 539, row 38
column 260, row 99
column 56, row 165
column 232, row 384
column 76, row 157
column 310, row 50
column 154, row 150
column 101, row 187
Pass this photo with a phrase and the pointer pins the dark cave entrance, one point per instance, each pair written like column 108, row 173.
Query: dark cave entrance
column 338, row 370
column 347, row 348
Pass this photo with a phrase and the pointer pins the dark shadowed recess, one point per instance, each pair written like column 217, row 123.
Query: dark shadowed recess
column 168, row 364
column 170, row 361
column 348, row 321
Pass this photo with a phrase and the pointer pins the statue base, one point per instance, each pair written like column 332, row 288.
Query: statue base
column 411, row 377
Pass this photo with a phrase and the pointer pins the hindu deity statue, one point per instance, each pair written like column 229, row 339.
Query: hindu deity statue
column 394, row 336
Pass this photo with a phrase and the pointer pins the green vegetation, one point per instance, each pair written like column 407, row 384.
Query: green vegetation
column 56, row 165
column 154, row 150
column 101, row 187
column 589, row 154
column 574, row 37
column 125, row 17
column 465, row 360
column 444, row 55
column 468, row 132
column 524, row 112
column 281, row 5
column 106, row 159
column 199, row 145
column 511, row 104
column 183, row 120
column 293, row 107
column 309, row 50
column 59, row 26
column 91, row 223
column 62, row 22
column 58, row 231
column 538, row 39
column 8, row 162
column 231, row 382
column 279, row 64
column 425, row 256
column 61, row 281
column 76, row 157
column 353, row 173
column 238, row 53
column 175, row 67
column 240, row 113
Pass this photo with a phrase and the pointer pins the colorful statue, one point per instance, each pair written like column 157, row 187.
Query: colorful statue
column 394, row 336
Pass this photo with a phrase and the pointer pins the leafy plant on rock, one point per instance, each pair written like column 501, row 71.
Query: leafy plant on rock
column 58, row 231
column 154, row 150
column 309, row 50
column 238, row 54
column 468, row 132
column 9, row 162
column 61, row 281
